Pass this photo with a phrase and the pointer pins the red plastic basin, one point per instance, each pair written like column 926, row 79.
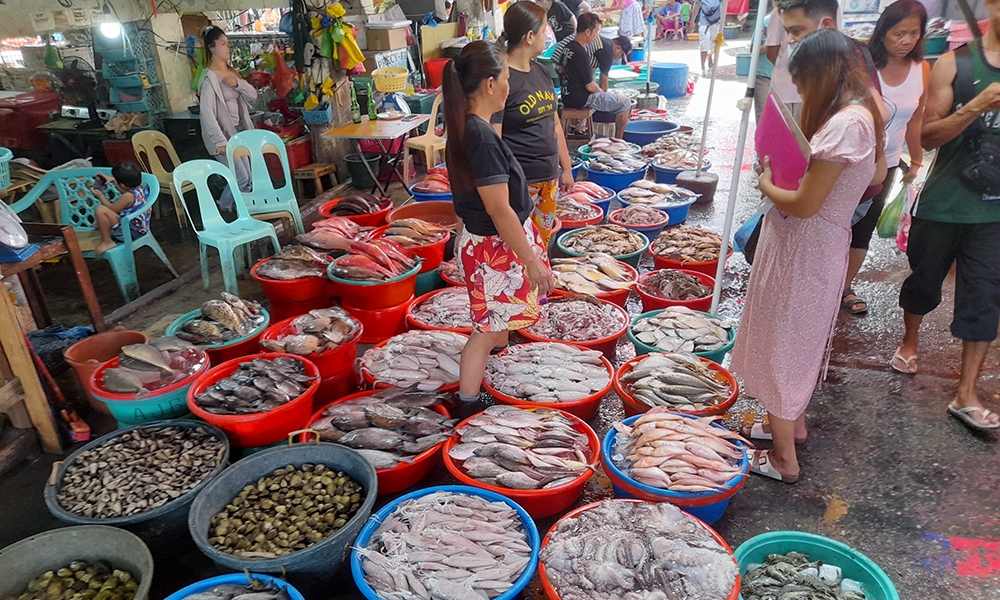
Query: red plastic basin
column 617, row 297
column 371, row 384
column 329, row 362
column 291, row 290
column 258, row 429
column 568, row 224
column 650, row 302
column 336, row 386
column 551, row 593
column 413, row 323
column 450, row 281
column 404, row 474
column 633, row 407
column 369, row 220
column 433, row 254
column 441, row 212
column 585, row 408
column 605, row 345
column 380, row 324
column 378, row 294
column 538, row 503
column 707, row 267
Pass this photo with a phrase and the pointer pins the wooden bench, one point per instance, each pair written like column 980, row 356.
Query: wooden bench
column 315, row 172
column 578, row 114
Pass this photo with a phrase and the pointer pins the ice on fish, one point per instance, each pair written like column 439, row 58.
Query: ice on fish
column 793, row 575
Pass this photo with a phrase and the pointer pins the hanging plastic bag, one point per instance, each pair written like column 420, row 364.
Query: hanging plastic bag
column 52, row 60
column 745, row 231
column 888, row 221
column 906, row 217
column 283, row 76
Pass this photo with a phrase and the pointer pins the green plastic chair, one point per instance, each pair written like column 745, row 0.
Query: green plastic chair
column 227, row 238
column 76, row 208
column 265, row 201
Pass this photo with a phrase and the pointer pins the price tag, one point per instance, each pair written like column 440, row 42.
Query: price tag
column 79, row 17
column 43, row 21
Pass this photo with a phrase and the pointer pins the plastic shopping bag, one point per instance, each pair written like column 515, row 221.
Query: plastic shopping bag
column 906, row 217
column 745, row 231
column 888, row 221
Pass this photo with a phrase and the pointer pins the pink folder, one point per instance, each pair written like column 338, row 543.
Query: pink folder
column 779, row 138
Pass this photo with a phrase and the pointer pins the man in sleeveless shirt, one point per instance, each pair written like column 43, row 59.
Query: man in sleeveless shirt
column 954, row 224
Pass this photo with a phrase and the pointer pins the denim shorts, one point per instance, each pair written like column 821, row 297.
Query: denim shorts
column 608, row 103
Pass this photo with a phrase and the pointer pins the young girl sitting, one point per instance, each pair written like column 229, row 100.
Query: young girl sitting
column 127, row 179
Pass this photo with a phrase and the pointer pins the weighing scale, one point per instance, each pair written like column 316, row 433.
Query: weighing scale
column 14, row 246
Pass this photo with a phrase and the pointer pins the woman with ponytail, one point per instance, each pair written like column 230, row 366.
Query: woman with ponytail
column 529, row 122
column 506, row 269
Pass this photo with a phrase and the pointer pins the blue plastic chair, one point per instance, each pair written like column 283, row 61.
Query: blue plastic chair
column 227, row 238
column 265, row 201
column 76, row 208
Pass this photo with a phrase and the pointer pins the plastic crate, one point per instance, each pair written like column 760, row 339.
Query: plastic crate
column 318, row 117
column 111, row 74
column 129, row 106
column 5, row 157
column 421, row 103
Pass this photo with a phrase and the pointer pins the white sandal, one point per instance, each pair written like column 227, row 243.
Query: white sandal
column 761, row 465
column 965, row 416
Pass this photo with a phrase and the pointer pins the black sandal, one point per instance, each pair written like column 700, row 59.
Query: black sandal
column 851, row 306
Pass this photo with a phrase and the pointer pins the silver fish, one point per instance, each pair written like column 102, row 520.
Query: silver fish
column 547, row 372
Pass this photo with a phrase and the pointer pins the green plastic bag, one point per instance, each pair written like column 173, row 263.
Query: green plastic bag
column 52, row 60
column 888, row 221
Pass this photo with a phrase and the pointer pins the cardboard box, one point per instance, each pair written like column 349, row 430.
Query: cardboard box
column 386, row 39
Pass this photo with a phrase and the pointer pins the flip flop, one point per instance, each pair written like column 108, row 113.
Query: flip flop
column 761, row 465
column 756, row 432
column 851, row 305
column 909, row 364
column 965, row 416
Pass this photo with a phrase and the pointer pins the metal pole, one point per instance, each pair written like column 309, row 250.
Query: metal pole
column 738, row 161
column 711, row 86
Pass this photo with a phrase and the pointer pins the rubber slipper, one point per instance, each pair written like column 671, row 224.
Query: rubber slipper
column 909, row 364
column 965, row 416
column 851, row 305
column 761, row 465
column 756, row 432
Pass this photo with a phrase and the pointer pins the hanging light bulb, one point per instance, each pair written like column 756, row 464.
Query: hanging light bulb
column 111, row 30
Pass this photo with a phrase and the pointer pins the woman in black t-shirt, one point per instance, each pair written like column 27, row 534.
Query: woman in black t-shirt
column 506, row 269
column 529, row 122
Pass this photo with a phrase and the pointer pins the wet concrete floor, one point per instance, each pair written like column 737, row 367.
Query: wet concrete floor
column 885, row 470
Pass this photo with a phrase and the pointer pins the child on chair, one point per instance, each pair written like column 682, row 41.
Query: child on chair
column 127, row 179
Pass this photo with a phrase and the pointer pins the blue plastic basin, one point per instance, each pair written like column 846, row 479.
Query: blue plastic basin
column 678, row 212
column 647, row 132
column 668, row 175
column 233, row 579
column 614, row 181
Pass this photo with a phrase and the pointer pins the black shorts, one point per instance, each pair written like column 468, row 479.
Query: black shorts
column 861, row 232
column 932, row 248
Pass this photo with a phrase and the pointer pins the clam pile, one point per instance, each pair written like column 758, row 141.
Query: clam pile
column 81, row 580
column 139, row 471
column 290, row 510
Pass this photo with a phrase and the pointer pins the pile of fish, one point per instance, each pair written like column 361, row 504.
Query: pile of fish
column 649, row 193
column 427, row 359
column 79, row 580
column 332, row 233
column 578, row 319
column 687, row 243
column 677, row 159
column 388, row 427
column 617, row 163
column 609, row 239
column 547, row 372
column 596, row 273
column 453, row 270
column 511, row 447
column 568, row 209
column 376, row 260
column 359, row 204
column 257, row 386
column 674, row 285
column 793, row 575
column 287, row 511
column 638, row 215
column 680, row 329
column 436, row 182
column 410, row 233
column 145, row 368
column 676, row 380
column 588, row 192
column 606, row 145
column 672, row 142
column 294, row 262
column 254, row 590
column 637, row 551
column 317, row 331
column 222, row 321
column 446, row 546
column 448, row 309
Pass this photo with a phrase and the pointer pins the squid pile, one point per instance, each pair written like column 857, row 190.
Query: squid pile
column 448, row 308
column 578, row 319
column 568, row 209
column 674, row 285
column 638, row 215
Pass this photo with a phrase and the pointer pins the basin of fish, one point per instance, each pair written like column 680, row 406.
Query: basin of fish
column 649, row 193
column 578, row 319
column 687, row 243
column 375, row 260
column 427, row 359
column 387, row 427
column 452, row 270
column 611, row 145
column 793, row 575
column 627, row 550
column 671, row 284
column 411, row 233
column 293, row 262
column 617, row 163
column 677, row 380
column 448, row 308
column 254, row 590
column 446, row 546
column 317, row 331
column 333, row 234
column 257, row 385
column 146, row 368
column 359, row 204
column 547, row 372
column 638, row 215
column 595, row 273
column 608, row 239
column 680, row 329
column 222, row 321
column 672, row 142
column 587, row 191
column 522, row 449
column 570, row 209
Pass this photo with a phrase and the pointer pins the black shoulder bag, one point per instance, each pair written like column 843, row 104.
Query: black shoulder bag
column 982, row 171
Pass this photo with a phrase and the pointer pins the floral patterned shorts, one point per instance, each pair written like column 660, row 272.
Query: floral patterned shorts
column 500, row 293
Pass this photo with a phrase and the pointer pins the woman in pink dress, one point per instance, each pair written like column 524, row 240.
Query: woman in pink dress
column 795, row 285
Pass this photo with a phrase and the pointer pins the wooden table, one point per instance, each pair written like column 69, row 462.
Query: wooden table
column 381, row 131
column 53, row 241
